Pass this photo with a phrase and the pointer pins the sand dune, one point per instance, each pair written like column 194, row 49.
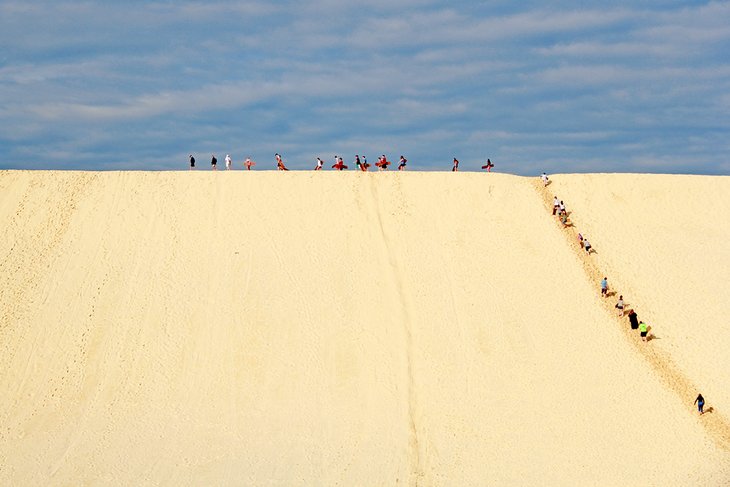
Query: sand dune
column 357, row 329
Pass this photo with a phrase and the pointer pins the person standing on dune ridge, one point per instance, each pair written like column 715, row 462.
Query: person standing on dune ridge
column 700, row 401
column 455, row 167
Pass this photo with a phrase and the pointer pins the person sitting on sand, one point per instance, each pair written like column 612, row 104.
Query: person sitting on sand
column 248, row 163
column 700, row 401
column 455, row 167
column 643, row 330
column 633, row 320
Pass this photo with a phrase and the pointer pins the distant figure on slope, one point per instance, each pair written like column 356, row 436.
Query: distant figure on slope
column 488, row 166
column 280, row 163
column 402, row 165
column 248, row 163
column 545, row 179
column 700, row 401
column 229, row 161
column 620, row 305
column 192, row 162
column 382, row 163
column 455, row 167
column 587, row 245
column 633, row 319
column 213, row 162
column 604, row 287
column 319, row 165
column 339, row 164
column 564, row 218
column 556, row 204
column 561, row 207
column 643, row 330
column 580, row 241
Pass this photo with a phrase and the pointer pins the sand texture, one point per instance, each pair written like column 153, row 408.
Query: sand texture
column 302, row 328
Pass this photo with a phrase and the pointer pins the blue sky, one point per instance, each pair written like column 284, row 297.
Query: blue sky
column 568, row 86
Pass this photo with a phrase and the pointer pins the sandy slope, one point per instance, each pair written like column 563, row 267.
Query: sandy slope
column 334, row 328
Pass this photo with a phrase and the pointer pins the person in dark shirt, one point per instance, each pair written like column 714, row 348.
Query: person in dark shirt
column 633, row 319
column 192, row 162
column 700, row 401
column 213, row 163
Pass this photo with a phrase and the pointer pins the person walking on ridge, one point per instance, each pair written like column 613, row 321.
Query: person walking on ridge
column 700, row 401
column 280, row 163
column 488, row 166
column 455, row 167
column 192, row 162
column 319, row 165
column 248, row 163
column 213, row 163
column 229, row 161
column 402, row 165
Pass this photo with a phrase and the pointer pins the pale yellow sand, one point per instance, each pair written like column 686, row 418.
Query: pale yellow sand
column 330, row 328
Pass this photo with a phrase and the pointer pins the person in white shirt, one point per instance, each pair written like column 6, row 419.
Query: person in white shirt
column 319, row 165
column 229, row 161
column 544, row 179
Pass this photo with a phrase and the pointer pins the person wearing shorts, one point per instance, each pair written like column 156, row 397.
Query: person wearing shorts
column 586, row 245
column 620, row 305
column 643, row 330
column 604, row 287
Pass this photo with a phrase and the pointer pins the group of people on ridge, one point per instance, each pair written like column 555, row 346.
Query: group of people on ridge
column 361, row 163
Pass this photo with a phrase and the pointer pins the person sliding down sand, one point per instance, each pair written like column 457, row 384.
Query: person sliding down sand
column 455, row 167
column 280, row 163
column 488, row 166
column 402, row 165
column 319, row 165
column 248, row 163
